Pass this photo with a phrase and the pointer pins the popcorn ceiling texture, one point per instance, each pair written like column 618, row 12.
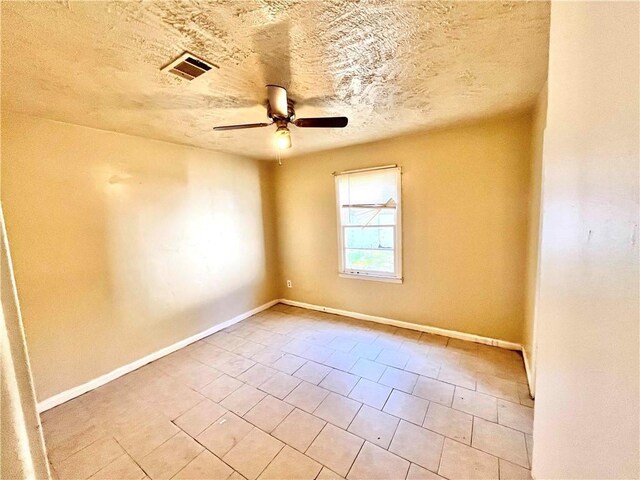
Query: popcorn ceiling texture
column 391, row 66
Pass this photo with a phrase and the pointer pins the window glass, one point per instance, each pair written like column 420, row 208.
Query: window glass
column 369, row 237
column 369, row 222
column 370, row 260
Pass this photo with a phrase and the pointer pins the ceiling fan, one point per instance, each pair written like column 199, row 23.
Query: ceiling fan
column 280, row 110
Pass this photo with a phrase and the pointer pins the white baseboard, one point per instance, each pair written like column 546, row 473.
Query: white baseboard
column 118, row 372
column 411, row 326
column 67, row 395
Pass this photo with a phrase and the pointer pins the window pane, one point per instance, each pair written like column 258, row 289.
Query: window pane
column 368, row 216
column 359, row 237
column 370, row 260
column 386, row 216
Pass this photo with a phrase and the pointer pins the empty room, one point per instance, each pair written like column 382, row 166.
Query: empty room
column 320, row 239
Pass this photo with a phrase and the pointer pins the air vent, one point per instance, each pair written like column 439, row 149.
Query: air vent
column 188, row 66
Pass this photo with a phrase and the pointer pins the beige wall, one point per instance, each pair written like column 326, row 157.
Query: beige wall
column 587, row 386
column 124, row 245
column 464, row 193
column 533, row 237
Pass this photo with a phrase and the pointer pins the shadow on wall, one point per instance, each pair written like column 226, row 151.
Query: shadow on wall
column 125, row 245
column 186, row 239
column 269, row 229
column 190, row 238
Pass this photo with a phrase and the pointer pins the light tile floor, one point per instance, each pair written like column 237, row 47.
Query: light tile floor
column 299, row 394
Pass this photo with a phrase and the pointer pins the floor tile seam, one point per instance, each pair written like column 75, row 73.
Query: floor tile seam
column 130, row 456
column 208, row 450
column 108, row 435
column 355, row 458
column 497, row 456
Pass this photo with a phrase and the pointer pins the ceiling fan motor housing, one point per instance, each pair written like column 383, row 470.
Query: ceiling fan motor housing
column 280, row 122
column 291, row 113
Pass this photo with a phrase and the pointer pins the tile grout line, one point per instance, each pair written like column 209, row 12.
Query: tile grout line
column 490, row 454
column 395, row 431
column 87, row 446
column 387, row 367
column 440, row 456
column 400, row 419
column 206, row 449
column 496, row 456
column 274, row 457
column 355, row 458
column 131, row 457
column 445, row 437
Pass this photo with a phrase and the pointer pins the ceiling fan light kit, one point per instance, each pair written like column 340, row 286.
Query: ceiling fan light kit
column 283, row 138
column 281, row 112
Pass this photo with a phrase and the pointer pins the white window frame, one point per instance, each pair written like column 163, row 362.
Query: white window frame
column 343, row 272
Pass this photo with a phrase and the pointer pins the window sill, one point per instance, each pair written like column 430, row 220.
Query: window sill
column 374, row 278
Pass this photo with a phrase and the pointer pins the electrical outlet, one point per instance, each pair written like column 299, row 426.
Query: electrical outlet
column 289, row 285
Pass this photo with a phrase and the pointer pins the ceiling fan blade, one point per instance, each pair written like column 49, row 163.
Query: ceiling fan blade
column 238, row 127
column 322, row 122
column 278, row 101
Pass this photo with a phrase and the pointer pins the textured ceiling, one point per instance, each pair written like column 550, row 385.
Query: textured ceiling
column 391, row 66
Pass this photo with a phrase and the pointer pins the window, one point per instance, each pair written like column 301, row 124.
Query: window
column 369, row 223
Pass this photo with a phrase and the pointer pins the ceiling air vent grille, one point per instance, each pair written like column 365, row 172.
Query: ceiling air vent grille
column 188, row 66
